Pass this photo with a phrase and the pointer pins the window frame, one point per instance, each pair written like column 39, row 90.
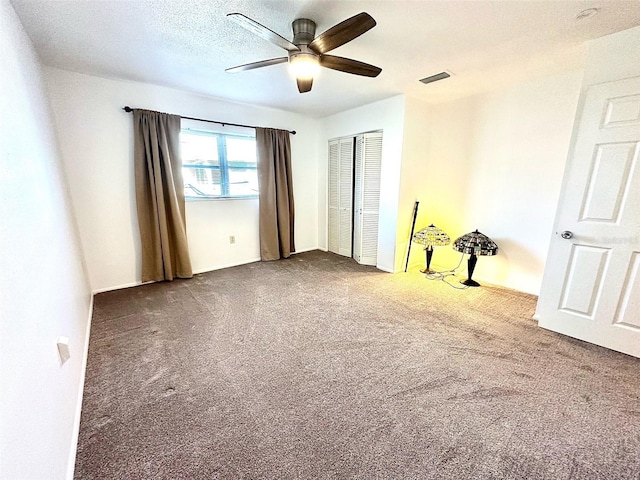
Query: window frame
column 223, row 161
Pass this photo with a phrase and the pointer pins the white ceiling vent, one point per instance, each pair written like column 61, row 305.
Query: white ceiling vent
column 436, row 77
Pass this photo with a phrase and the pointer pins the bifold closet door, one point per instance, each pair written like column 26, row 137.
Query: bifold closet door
column 341, row 196
column 368, row 157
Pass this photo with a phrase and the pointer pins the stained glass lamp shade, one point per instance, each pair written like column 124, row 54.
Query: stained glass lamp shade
column 430, row 237
column 474, row 243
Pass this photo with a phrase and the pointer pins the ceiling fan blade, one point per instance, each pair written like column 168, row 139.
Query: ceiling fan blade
column 342, row 33
column 304, row 84
column 261, row 63
column 262, row 31
column 349, row 66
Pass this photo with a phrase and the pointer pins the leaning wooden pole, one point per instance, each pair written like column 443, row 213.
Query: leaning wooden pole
column 413, row 226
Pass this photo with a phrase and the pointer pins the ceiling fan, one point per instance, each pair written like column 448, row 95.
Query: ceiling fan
column 306, row 52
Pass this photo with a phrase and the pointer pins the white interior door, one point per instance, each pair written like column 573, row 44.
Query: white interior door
column 368, row 159
column 591, row 286
column 340, row 196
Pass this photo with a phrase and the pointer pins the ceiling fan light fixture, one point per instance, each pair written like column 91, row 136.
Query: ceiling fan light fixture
column 304, row 65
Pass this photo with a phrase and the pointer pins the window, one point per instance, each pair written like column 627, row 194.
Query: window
column 218, row 165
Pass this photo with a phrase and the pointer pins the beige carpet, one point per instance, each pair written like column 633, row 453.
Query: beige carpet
column 316, row 367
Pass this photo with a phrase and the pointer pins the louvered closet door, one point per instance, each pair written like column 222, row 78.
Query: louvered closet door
column 340, row 195
column 357, row 196
column 334, row 204
column 367, row 197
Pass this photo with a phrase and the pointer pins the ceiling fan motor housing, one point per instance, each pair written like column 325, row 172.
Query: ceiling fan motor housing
column 304, row 31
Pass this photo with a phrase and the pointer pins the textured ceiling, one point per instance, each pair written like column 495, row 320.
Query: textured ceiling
column 188, row 44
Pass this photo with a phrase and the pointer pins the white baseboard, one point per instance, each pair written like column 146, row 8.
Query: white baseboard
column 244, row 262
column 195, row 272
column 384, row 268
column 307, row 250
column 76, row 422
column 118, row 287
column 226, row 265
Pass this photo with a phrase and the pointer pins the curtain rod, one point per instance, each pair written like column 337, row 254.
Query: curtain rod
column 128, row 109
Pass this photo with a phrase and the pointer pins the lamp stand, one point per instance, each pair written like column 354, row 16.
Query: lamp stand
column 471, row 265
column 429, row 253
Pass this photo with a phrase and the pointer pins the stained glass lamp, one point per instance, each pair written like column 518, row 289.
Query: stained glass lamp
column 474, row 243
column 430, row 237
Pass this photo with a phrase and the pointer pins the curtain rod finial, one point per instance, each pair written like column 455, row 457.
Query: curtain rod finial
column 293, row 132
column 127, row 109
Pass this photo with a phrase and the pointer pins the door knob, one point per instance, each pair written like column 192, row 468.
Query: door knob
column 566, row 234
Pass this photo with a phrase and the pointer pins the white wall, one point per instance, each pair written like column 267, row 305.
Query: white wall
column 519, row 157
column 438, row 144
column 613, row 57
column 426, row 180
column 388, row 116
column 492, row 162
column 97, row 149
column 44, row 292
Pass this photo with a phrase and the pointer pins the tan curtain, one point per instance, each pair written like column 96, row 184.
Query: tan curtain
column 160, row 196
column 276, row 193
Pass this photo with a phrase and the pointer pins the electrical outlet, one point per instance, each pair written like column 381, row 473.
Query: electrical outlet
column 232, row 239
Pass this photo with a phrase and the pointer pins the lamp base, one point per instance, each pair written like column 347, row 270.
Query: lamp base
column 427, row 271
column 470, row 283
